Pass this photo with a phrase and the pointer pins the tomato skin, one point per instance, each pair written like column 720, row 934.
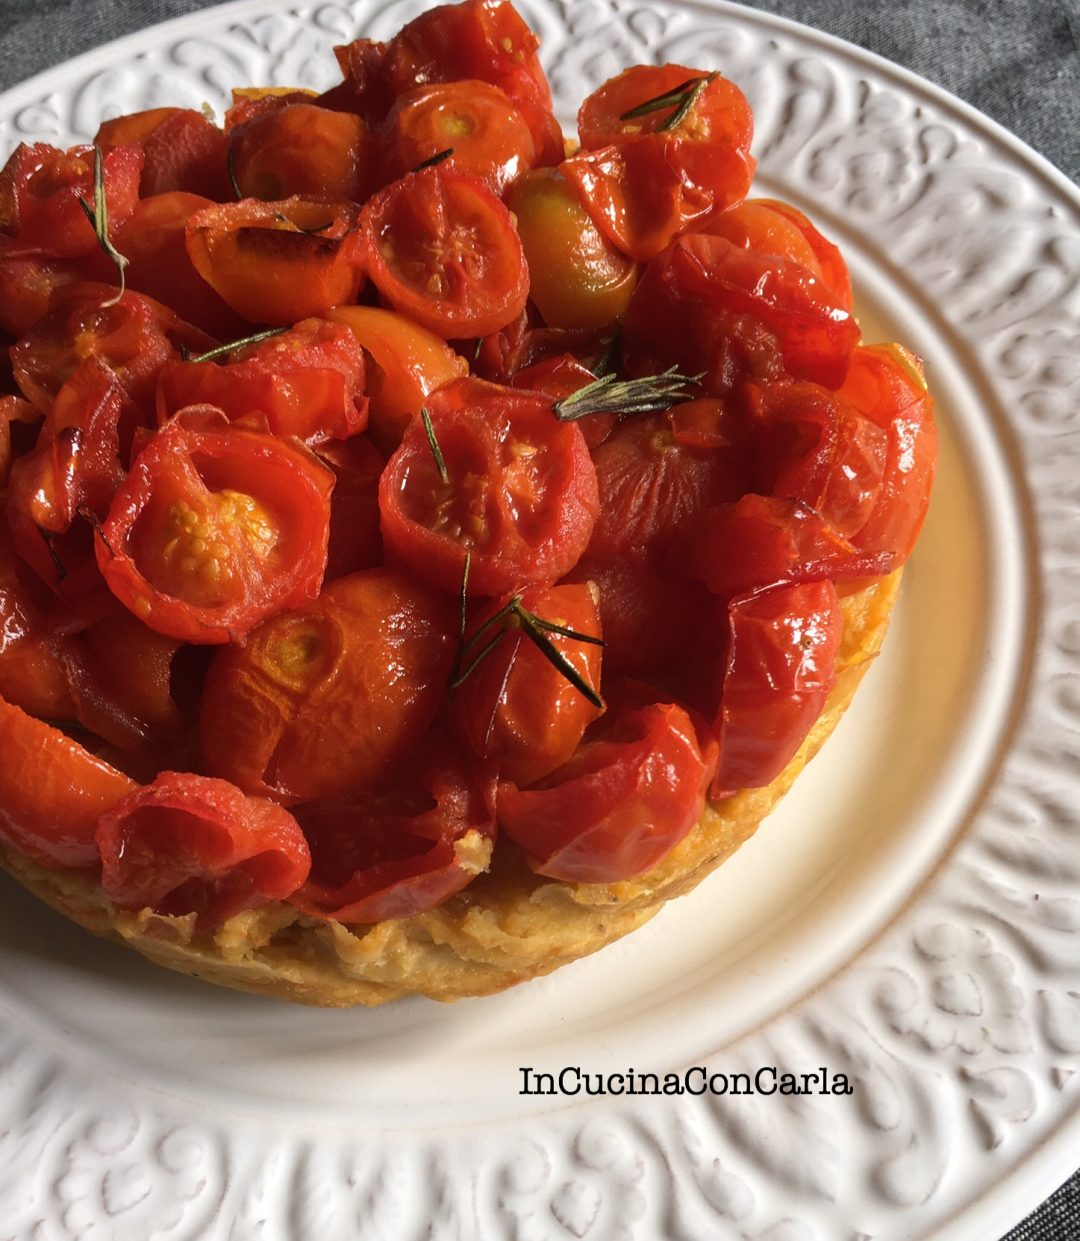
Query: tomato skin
column 265, row 261
column 52, row 792
column 355, row 538
column 328, row 700
column 265, row 506
column 190, row 844
column 619, row 805
column 521, row 498
column 183, row 150
column 40, row 189
column 401, row 851
column 409, row 362
column 706, row 305
column 560, row 376
column 477, row 121
column 295, row 147
column 307, row 382
column 576, row 277
column 442, row 248
column 28, row 281
column 516, row 709
column 779, row 669
column 885, row 383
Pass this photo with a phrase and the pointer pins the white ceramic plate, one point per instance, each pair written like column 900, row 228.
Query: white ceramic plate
column 909, row 918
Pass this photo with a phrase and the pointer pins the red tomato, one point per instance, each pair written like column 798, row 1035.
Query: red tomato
column 520, row 497
column 307, row 382
column 183, row 149
column 41, row 188
column 708, row 306
column 619, row 806
column 442, row 248
column 328, row 700
column 215, row 528
column 560, row 376
column 779, row 669
column 516, row 708
column 402, row 850
column 476, row 121
column 294, row 147
column 355, row 538
column 278, row 262
column 28, row 280
column 188, row 844
column 885, row 383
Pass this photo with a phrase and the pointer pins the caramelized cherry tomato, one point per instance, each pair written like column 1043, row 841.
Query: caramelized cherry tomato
column 355, row 538
column 183, row 150
column 779, row 669
column 278, row 262
column 486, row 134
column 401, row 850
column 442, row 248
column 619, row 805
column 188, row 844
column 576, row 277
column 307, row 382
column 30, row 675
column 516, row 708
column 215, row 528
column 28, row 281
column 520, row 494
column 328, row 700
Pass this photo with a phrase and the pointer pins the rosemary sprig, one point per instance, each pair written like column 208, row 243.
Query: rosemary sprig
column 612, row 395
column 465, row 570
column 221, row 350
column 433, row 160
column 513, row 615
column 682, row 98
column 605, row 363
column 436, row 451
column 98, row 215
column 230, row 168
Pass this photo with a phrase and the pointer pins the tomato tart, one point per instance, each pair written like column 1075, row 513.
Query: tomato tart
column 429, row 544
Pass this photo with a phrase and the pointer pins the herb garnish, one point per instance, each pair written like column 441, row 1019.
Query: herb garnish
column 433, row 160
column 230, row 155
column 436, row 451
column 612, row 395
column 682, row 98
column 98, row 215
column 222, row 350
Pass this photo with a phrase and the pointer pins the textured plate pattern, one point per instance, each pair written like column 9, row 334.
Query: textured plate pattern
column 960, row 1026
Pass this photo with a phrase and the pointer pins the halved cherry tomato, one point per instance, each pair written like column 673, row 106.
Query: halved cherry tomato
column 188, row 844
column 249, row 102
column 708, row 306
column 401, row 850
column 577, row 279
column 279, row 262
column 355, row 538
column 52, row 792
column 28, row 280
column 779, row 668
column 298, row 148
column 328, row 700
column 407, row 362
column 41, row 188
column 30, row 675
column 307, row 382
column 486, row 134
column 619, row 805
column 516, row 708
column 442, row 248
column 520, row 495
column 216, row 528
column 183, row 149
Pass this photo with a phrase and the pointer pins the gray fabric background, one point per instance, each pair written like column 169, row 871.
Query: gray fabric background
column 1016, row 60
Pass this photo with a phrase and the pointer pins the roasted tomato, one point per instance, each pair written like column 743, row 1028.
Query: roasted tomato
column 328, row 700
column 42, row 191
column 296, row 147
column 710, row 307
column 355, row 538
column 52, row 792
column 473, row 124
column 515, row 706
column 307, row 382
column 407, row 362
column 183, row 150
column 619, row 805
column 442, row 248
column 28, row 281
column 403, row 849
column 577, row 279
column 279, row 262
column 188, row 844
column 216, row 528
column 519, row 495
column 779, row 667
column 30, row 675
